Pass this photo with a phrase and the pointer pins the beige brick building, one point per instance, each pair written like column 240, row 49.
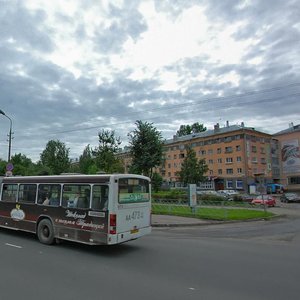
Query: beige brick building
column 234, row 154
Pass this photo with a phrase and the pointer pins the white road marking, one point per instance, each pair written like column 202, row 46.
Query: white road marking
column 191, row 288
column 12, row 245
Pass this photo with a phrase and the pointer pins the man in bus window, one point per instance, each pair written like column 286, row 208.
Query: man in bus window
column 73, row 202
column 46, row 201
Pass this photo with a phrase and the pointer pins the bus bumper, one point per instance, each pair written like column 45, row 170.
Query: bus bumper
column 128, row 235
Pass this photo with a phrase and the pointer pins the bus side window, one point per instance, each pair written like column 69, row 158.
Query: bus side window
column 96, row 203
column 9, row 192
column 100, row 197
column 27, row 193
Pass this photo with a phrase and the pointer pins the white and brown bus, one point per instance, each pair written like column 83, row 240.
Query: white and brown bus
column 91, row 209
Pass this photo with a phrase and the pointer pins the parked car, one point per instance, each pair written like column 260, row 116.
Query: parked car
column 228, row 192
column 243, row 197
column 264, row 199
column 208, row 192
column 290, row 197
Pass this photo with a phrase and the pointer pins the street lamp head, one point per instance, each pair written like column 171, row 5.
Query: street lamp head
column 2, row 112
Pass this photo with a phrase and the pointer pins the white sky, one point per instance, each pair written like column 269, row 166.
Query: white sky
column 71, row 68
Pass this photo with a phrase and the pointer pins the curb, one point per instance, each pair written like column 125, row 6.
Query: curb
column 215, row 222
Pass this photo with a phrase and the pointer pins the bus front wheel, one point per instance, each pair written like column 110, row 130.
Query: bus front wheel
column 45, row 232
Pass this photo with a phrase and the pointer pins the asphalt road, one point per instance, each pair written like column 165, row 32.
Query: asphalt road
column 252, row 260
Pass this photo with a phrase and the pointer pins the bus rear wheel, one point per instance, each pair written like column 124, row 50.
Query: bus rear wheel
column 45, row 232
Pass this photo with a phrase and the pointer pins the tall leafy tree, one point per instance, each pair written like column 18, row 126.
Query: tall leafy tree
column 156, row 181
column 23, row 165
column 189, row 129
column 145, row 148
column 105, row 153
column 87, row 163
column 55, row 157
column 3, row 164
column 192, row 169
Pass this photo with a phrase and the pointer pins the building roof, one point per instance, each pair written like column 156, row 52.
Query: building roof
column 291, row 129
column 210, row 132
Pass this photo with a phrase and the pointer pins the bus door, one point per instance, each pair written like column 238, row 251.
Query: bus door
column 132, row 218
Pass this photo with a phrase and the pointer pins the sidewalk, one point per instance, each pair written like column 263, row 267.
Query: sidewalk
column 173, row 221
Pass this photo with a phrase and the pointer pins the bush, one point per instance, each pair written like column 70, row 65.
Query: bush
column 172, row 194
column 213, row 198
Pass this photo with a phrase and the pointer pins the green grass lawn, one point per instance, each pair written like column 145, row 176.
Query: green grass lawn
column 211, row 213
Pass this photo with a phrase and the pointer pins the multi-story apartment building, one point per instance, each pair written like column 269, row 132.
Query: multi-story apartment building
column 235, row 155
column 289, row 141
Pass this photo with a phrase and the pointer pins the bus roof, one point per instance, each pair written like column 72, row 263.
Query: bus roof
column 78, row 178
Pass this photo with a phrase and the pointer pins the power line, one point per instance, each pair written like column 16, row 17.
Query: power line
column 195, row 102
column 185, row 105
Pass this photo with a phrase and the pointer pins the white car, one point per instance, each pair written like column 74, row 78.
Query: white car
column 229, row 192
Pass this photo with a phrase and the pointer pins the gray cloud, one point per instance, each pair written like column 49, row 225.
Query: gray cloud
column 24, row 27
column 127, row 22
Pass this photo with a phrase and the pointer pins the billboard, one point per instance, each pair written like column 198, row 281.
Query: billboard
column 290, row 156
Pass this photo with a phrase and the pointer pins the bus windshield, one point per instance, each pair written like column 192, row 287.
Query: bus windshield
column 133, row 190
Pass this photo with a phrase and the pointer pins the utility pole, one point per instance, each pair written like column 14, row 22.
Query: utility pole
column 9, row 134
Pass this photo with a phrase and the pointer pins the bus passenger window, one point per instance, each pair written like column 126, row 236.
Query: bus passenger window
column 9, row 192
column 27, row 193
column 100, row 197
column 76, row 196
column 49, row 194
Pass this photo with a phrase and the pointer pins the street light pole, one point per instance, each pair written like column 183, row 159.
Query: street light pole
column 9, row 134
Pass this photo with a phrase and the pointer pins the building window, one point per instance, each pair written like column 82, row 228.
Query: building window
column 263, row 160
column 238, row 158
column 219, row 150
column 228, row 149
column 181, row 155
column 211, row 172
column 254, row 160
column 238, row 148
column 262, row 150
column 202, row 152
column 229, row 160
column 219, row 160
column 169, row 166
column 229, row 171
column 210, row 161
column 210, row 151
column 254, row 149
column 229, row 184
column 294, row 180
column 239, row 184
column 220, row 171
column 175, row 156
column 239, row 170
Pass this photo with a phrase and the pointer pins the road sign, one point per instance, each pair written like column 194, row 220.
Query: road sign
column 9, row 167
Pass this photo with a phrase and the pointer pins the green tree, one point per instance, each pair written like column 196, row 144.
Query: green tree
column 55, row 157
column 87, row 161
column 192, row 169
column 105, row 153
column 145, row 148
column 3, row 164
column 23, row 165
column 189, row 129
column 156, row 181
